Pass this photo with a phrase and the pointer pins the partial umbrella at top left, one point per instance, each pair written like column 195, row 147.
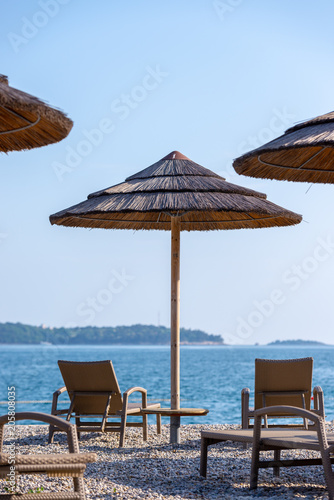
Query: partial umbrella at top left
column 26, row 122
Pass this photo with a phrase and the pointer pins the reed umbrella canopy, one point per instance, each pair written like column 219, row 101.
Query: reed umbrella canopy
column 175, row 188
column 304, row 153
column 26, row 122
column 175, row 194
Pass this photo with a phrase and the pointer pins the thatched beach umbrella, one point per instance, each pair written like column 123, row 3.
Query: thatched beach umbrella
column 175, row 194
column 27, row 122
column 304, row 153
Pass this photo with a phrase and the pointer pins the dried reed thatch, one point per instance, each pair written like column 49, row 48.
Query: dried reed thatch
column 27, row 122
column 175, row 194
column 176, row 186
column 304, row 153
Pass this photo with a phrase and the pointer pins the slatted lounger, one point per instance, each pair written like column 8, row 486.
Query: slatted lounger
column 264, row 439
column 72, row 464
column 282, row 382
column 94, row 392
column 213, row 437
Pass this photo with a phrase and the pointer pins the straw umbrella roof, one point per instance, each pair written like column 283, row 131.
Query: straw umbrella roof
column 305, row 152
column 175, row 194
column 176, row 186
column 26, row 122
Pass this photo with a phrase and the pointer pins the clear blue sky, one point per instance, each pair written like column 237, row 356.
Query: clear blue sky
column 211, row 79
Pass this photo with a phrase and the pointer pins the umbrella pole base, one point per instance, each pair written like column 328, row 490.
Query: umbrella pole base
column 175, row 430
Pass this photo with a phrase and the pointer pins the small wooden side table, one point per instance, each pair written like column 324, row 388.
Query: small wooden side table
column 176, row 415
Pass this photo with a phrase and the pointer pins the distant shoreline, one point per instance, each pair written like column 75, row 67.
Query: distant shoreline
column 18, row 334
column 187, row 344
column 297, row 342
column 182, row 344
column 134, row 335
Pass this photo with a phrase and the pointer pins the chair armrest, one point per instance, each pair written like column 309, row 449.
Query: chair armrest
column 245, row 393
column 60, row 390
column 55, row 397
column 41, row 417
column 319, row 425
column 135, row 389
column 52, row 420
column 292, row 410
column 244, row 407
column 127, row 393
column 318, row 401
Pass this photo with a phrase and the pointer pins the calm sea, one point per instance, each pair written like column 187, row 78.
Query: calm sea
column 211, row 377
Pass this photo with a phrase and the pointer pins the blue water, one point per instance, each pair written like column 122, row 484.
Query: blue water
column 211, row 376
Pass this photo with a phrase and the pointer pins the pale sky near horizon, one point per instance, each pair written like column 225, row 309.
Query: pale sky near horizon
column 212, row 79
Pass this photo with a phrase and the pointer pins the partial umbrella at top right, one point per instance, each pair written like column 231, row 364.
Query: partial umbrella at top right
column 304, row 153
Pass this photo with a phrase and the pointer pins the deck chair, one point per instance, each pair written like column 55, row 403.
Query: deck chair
column 288, row 439
column 280, row 382
column 70, row 464
column 94, row 393
column 278, row 439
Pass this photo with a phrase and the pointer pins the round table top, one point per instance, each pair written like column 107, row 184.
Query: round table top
column 181, row 412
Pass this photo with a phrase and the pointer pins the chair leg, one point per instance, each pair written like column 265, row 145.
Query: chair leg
column 144, row 427
column 79, row 487
column 255, row 454
column 51, row 433
column 122, row 433
column 254, row 471
column 245, row 425
column 77, row 423
column 204, row 457
column 328, row 471
column 158, row 423
column 277, row 456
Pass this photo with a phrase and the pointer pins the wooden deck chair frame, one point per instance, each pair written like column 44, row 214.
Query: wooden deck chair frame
column 278, row 439
column 280, row 382
column 70, row 464
column 284, row 439
column 94, row 392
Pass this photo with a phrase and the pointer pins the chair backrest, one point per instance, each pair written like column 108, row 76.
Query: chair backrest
column 95, row 377
column 283, row 375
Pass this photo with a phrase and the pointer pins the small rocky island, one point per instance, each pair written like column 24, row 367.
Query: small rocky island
column 298, row 342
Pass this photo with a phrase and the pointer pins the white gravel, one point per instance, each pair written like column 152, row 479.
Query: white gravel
column 157, row 470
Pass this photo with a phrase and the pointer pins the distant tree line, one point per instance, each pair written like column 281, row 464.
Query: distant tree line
column 17, row 333
column 296, row 342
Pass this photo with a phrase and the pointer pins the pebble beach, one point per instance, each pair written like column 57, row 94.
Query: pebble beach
column 159, row 470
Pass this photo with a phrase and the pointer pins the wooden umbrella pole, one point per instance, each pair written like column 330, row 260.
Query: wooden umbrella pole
column 175, row 327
